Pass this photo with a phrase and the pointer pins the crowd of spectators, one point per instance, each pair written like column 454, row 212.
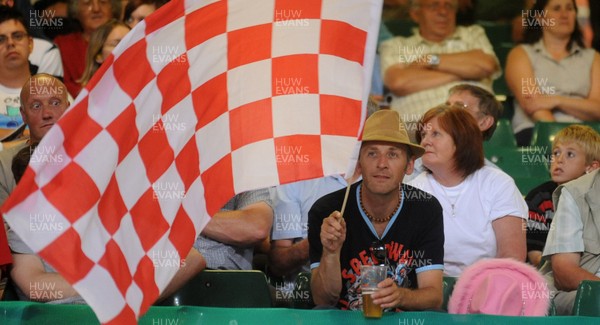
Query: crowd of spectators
column 422, row 191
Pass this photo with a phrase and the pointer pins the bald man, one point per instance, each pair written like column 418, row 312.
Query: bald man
column 44, row 99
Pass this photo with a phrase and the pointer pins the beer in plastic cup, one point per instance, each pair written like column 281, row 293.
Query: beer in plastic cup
column 371, row 275
column 370, row 309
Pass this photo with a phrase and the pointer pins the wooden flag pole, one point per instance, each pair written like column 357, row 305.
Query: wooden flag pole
column 345, row 198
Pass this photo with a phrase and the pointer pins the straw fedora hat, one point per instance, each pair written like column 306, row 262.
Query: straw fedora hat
column 386, row 125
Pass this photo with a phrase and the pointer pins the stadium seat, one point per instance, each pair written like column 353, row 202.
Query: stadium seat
column 503, row 136
column 224, row 288
column 544, row 132
column 500, row 87
column 527, row 166
column 594, row 125
column 447, row 288
column 587, row 300
column 497, row 32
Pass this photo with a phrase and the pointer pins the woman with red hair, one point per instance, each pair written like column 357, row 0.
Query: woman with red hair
column 484, row 211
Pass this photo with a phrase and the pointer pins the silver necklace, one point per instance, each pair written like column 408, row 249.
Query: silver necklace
column 447, row 197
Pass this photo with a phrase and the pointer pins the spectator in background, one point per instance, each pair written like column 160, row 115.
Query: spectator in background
column 483, row 209
column 137, row 10
column 91, row 14
column 552, row 75
column 40, row 109
column 44, row 57
column 575, row 152
column 420, row 69
column 480, row 103
column 43, row 100
column 102, row 42
column 15, row 49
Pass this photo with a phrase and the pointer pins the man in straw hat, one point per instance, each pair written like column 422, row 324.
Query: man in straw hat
column 384, row 222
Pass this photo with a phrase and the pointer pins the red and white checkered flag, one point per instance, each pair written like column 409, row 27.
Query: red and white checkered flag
column 202, row 100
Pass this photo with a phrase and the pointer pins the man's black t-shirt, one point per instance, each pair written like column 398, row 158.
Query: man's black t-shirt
column 414, row 239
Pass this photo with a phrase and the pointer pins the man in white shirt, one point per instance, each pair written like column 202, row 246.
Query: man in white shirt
column 420, row 69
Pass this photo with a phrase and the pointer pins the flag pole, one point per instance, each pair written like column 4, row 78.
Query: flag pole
column 346, row 197
column 350, row 180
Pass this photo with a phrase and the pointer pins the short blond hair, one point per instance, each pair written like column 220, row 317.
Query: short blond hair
column 584, row 136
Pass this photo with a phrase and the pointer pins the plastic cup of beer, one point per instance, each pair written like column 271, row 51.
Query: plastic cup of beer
column 370, row 276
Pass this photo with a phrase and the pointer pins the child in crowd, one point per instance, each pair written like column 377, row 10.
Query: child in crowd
column 575, row 152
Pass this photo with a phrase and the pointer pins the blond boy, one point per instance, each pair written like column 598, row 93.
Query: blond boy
column 575, row 152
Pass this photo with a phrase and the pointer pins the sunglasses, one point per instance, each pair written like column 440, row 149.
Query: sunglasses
column 378, row 253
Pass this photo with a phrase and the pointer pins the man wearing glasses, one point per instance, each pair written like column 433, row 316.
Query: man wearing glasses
column 45, row 57
column 15, row 47
column 420, row 69
column 384, row 222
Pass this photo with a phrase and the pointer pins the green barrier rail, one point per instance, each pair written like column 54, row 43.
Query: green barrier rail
column 40, row 314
